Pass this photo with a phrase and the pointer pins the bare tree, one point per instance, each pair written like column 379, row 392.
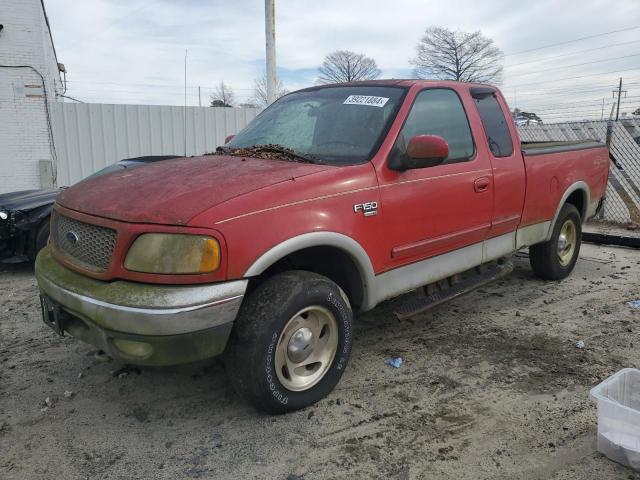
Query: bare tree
column 452, row 55
column 346, row 66
column 260, row 91
column 223, row 96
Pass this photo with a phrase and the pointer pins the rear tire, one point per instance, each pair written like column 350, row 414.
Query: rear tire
column 555, row 259
column 291, row 342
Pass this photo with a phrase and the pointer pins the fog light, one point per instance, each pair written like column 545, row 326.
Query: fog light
column 132, row 348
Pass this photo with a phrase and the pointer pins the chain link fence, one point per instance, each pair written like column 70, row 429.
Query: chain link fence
column 622, row 205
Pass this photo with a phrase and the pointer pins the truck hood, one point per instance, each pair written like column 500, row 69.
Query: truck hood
column 27, row 199
column 172, row 192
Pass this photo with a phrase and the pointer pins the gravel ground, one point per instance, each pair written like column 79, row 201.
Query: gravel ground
column 492, row 386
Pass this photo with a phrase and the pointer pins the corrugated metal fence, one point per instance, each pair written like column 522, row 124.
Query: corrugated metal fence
column 90, row 136
column 623, row 191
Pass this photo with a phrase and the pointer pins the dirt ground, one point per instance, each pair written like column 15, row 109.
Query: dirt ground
column 492, row 387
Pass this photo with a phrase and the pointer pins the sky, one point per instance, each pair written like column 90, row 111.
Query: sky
column 133, row 51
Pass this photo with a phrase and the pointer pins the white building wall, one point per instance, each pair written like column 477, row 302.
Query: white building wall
column 24, row 132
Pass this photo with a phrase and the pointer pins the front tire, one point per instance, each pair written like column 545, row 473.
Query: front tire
column 291, row 342
column 41, row 238
column 555, row 259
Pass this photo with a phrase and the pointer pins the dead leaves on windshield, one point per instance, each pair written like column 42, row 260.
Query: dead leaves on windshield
column 270, row 152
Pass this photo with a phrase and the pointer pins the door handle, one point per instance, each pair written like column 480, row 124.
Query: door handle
column 481, row 184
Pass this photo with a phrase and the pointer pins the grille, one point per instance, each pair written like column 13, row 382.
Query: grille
column 88, row 246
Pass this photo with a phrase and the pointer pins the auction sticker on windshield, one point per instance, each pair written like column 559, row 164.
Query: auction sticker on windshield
column 366, row 100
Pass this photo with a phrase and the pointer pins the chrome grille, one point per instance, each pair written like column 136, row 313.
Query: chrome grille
column 86, row 245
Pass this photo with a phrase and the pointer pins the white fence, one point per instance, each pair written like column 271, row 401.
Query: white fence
column 90, row 136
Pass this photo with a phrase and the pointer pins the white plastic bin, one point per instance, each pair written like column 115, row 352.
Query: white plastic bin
column 618, row 400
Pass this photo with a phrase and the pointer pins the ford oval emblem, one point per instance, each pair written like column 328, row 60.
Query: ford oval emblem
column 72, row 237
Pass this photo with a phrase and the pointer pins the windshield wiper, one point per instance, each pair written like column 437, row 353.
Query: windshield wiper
column 262, row 149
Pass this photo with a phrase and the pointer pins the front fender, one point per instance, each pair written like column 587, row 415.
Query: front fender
column 321, row 239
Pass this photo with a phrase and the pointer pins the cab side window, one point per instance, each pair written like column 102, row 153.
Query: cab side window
column 439, row 111
column 495, row 125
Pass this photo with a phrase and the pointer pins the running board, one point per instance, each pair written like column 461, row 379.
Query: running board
column 453, row 287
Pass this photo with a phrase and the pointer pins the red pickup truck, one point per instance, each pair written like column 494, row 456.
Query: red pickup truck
column 332, row 200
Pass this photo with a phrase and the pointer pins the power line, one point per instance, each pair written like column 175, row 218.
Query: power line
column 70, row 98
column 552, row 108
column 576, row 108
column 176, row 87
column 583, row 102
column 590, row 85
column 549, row 95
column 586, row 103
column 595, row 116
column 572, row 53
column 563, row 111
column 579, row 113
column 573, row 78
column 570, row 104
column 562, row 91
column 571, row 113
column 580, row 64
column 572, row 41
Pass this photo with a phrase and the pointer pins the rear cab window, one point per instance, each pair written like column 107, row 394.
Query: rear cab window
column 494, row 122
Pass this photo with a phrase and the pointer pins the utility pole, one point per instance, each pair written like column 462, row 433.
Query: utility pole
column 602, row 113
column 199, row 97
column 619, row 92
column 184, row 111
column 270, row 34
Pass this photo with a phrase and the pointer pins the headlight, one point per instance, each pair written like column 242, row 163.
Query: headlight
column 173, row 253
column 3, row 215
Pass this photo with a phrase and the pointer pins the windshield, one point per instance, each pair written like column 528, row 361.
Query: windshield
column 337, row 125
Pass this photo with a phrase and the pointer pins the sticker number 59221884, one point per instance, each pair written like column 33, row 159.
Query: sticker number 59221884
column 366, row 100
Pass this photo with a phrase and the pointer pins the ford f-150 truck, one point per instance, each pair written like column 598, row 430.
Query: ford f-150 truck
column 332, row 200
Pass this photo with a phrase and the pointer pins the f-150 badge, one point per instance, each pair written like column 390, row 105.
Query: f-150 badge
column 368, row 208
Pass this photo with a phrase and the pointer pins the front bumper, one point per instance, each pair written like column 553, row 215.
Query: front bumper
column 143, row 323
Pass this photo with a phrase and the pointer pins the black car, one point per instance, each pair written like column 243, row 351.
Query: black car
column 24, row 216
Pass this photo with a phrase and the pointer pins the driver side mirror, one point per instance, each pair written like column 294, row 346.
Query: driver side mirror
column 423, row 151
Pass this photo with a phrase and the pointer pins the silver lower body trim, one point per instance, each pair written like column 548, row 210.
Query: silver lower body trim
column 140, row 309
column 404, row 279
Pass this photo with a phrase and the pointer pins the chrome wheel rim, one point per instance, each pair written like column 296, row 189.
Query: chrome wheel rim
column 567, row 242
column 306, row 348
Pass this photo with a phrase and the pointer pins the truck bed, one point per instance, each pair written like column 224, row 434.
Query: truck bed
column 540, row 148
column 552, row 167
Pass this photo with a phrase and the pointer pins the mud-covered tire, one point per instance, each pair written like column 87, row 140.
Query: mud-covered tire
column 257, row 336
column 546, row 258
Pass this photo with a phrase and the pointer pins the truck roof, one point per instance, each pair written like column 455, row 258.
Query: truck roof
column 401, row 82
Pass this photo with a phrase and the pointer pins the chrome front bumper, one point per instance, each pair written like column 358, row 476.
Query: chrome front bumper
column 140, row 311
